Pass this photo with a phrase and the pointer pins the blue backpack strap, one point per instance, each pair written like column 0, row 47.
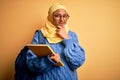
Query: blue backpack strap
column 21, row 70
column 41, row 38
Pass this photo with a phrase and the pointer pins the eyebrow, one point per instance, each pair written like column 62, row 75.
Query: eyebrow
column 59, row 14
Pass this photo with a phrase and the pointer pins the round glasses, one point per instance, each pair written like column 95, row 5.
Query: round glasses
column 65, row 16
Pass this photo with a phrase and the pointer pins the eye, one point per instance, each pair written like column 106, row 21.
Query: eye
column 60, row 16
column 65, row 16
column 57, row 15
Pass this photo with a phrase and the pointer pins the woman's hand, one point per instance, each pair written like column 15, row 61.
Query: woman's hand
column 60, row 31
column 55, row 57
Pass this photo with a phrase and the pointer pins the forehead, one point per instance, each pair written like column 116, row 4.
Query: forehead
column 60, row 11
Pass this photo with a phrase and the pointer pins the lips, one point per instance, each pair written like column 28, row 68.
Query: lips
column 61, row 23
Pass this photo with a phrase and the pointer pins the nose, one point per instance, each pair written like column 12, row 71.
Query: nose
column 61, row 19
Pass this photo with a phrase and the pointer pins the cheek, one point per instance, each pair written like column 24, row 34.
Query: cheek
column 55, row 21
column 66, row 20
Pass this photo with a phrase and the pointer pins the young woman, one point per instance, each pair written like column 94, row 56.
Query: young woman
column 63, row 42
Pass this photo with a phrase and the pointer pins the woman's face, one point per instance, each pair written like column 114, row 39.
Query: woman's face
column 60, row 17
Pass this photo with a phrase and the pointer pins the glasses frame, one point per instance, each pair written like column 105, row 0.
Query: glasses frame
column 59, row 16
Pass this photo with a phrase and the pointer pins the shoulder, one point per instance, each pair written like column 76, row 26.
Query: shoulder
column 38, row 32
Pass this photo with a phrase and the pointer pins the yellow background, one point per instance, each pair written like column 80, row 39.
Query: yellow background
column 96, row 22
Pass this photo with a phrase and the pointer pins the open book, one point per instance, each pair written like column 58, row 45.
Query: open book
column 42, row 50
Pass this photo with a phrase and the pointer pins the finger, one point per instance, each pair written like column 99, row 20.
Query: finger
column 59, row 27
column 52, row 57
column 57, row 56
column 57, row 30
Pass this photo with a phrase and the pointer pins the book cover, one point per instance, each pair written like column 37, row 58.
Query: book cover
column 42, row 50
